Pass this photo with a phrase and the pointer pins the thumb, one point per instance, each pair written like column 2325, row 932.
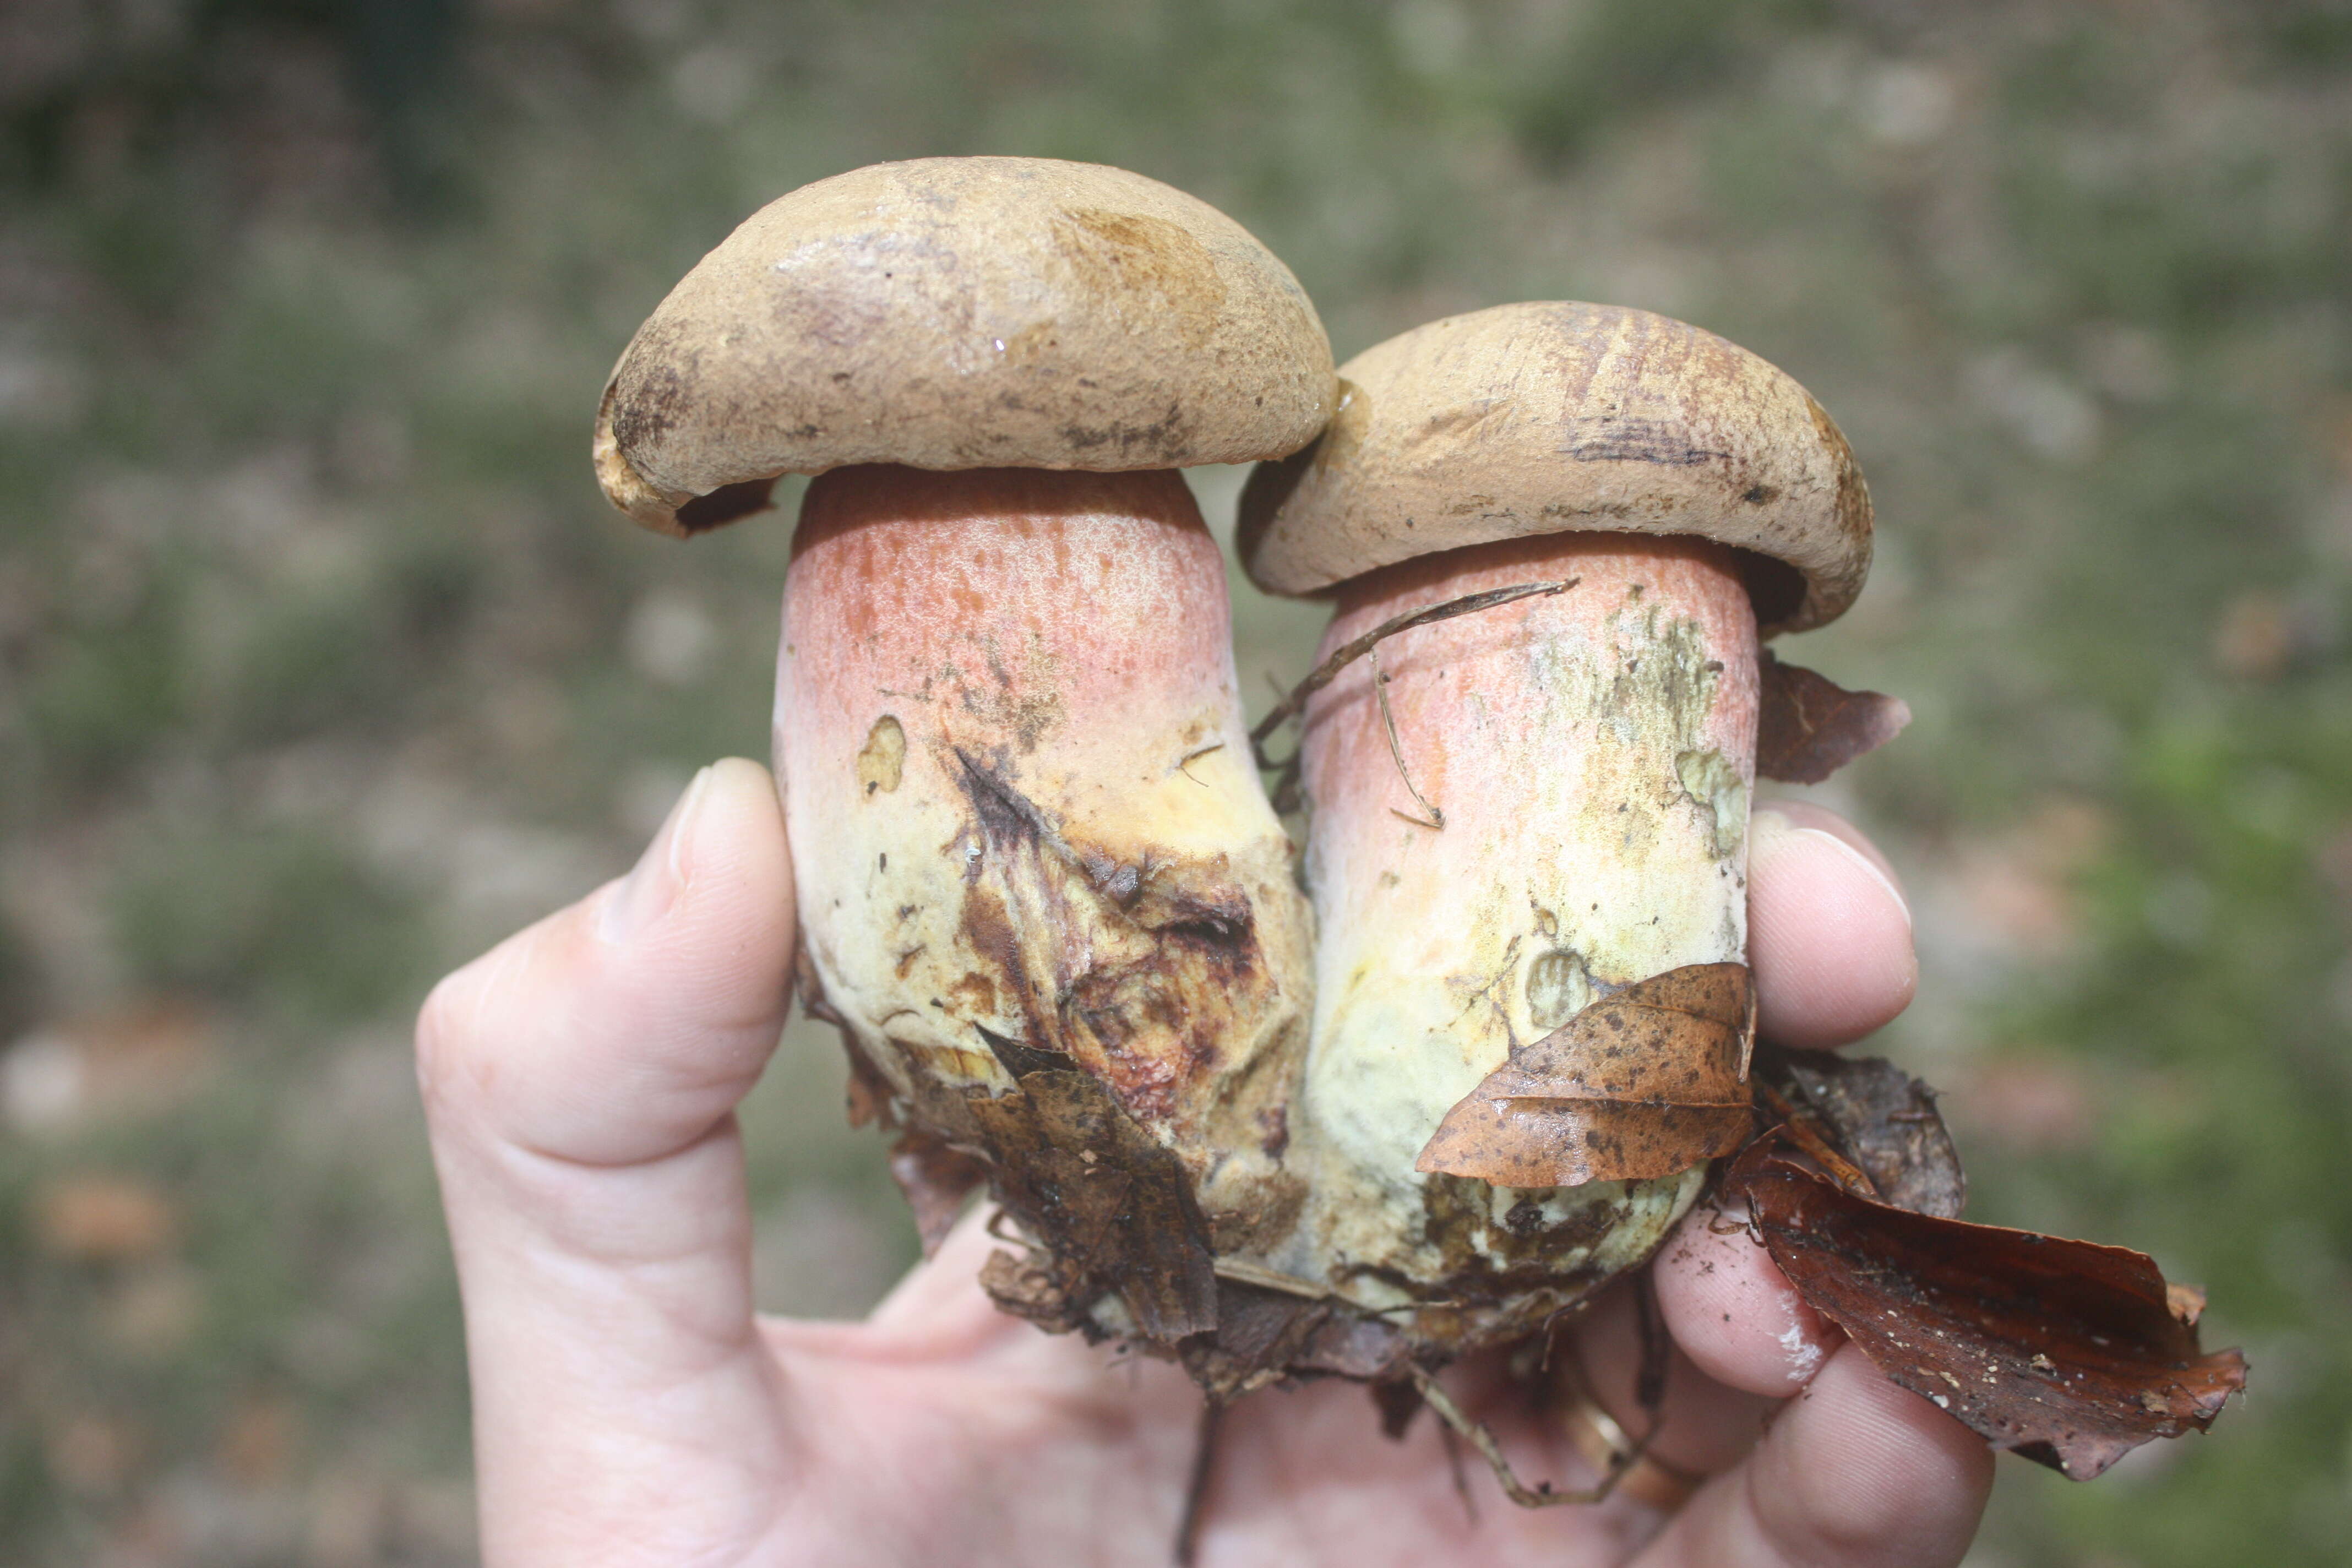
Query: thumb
column 580, row 1083
column 622, row 1028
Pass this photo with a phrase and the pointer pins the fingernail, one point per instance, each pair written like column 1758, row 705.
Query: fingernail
column 1870, row 867
column 1772, row 832
column 653, row 884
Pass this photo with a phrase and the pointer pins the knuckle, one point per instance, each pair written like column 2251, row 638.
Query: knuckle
column 448, row 1043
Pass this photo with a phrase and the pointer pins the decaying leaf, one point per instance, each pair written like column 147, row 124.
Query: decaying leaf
column 1114, row 1207
column 868, row 1092
column 1877, row 1117
column 1264, row 1336
column 2070, row 1353
column 937, row 1177
column 1807, row 726
column 1644, row 1082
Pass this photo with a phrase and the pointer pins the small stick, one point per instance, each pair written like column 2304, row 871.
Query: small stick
column 1435, row 818
column 1542, row 1494
column 1196, row 1491
column 1287, row 797
column 1184, row 763
column 1798, row 1126
column 1657, row 1353
column 1329, row 670
column 1453, row 1442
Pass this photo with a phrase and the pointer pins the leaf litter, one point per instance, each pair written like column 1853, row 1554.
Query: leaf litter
column 2067, row 1353
column 1807, row 726
column 1645, row 1082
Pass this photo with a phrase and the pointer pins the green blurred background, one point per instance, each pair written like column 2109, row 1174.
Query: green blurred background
column 322, row 665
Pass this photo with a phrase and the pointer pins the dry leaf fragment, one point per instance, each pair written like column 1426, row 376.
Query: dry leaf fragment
column 1124, row 1221
column 1263, row 1336
column 937, row 1177
column 1807, row 726
column 2068, row 1353
column 868, row 1091
column 1879, row 1117
column 1644, row 1082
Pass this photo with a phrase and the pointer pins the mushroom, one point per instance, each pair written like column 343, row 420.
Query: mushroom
column 1528, row 843
column 1040, row 890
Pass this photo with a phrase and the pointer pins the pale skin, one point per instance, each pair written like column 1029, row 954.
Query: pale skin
column 630, row 1407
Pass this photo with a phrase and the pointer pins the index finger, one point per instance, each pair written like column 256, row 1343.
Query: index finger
column 1829, row 938
column 1828, row 933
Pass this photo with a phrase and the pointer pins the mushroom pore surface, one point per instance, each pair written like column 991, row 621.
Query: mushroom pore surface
column 1592, row 753
column 1030, row 843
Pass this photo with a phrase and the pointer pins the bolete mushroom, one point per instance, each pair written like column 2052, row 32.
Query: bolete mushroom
column 1045, row 898
column 1527, row 850
column 1040, row 890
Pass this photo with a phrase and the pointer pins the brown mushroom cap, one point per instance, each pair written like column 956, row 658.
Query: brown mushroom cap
column 962, row 314
column 1560, row 417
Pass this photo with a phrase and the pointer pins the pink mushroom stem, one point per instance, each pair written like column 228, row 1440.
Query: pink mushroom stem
column 1590, row 756
column 1024, row 815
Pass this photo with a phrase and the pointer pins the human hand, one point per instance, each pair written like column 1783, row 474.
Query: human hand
column 630, row 1407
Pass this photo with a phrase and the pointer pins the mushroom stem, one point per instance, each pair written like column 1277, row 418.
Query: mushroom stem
column 1592, row 753
column 1030, row 843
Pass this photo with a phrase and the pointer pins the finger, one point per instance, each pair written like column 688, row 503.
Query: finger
column 1854, row 1473
column 1733, row 1314
column 938, row 1315
column 1829, row 934
column 1742, row 1342
column 580, row 1083
column 1703, row 1424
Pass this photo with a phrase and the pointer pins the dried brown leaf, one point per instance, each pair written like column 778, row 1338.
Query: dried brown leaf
column 1078, row 1172
column 1807, row 726
column 1880, row 1118
column 868, row 1092
column 1645, row 1082
column 2187, row 1302
column 1398, row 1403
column 1263, row 1336
column 2070, row 1353
column 937, row 1177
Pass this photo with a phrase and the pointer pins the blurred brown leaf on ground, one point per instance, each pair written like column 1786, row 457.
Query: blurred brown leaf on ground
column 103, row 1219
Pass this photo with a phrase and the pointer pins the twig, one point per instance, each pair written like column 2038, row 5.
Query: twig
column 1453, row 1442
column 1797, row 1124
column 1435, row 818
column 1329, row 670
column 1542, row 1494
column 1184, row 763
column 1657, row 1350
column 1196, row 1491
